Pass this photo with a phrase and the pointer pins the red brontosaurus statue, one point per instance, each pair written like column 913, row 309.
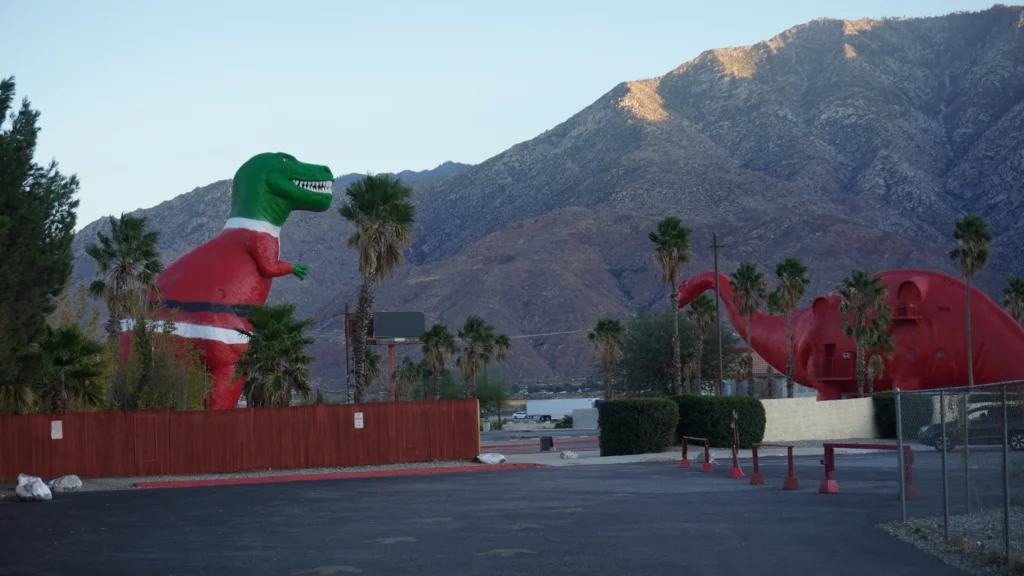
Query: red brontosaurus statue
column 928, row 330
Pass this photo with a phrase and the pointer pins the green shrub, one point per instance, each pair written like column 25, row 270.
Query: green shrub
column 565, row 422
column 917, row 410
column 711, row 417
column 636, row 426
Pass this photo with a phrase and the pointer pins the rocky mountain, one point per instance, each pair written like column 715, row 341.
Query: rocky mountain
column 845, row 143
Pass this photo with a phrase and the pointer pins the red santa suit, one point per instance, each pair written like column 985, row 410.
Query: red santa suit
column 210, row 291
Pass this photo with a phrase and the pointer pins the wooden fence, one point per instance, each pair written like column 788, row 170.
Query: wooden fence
column 150, row 443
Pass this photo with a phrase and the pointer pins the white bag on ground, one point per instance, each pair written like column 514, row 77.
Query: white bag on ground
column 569, row 455
column 69, row 483
column 32, row 488
column 491, row 459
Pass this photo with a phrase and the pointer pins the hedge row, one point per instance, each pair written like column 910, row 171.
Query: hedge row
column 917, row 409
column 636, row 426
column 711, row 417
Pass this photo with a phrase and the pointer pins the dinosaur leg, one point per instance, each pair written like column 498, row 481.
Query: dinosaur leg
column 826, row 392
column 220, row 359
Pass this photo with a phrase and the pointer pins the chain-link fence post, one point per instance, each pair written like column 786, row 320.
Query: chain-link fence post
column 899, row 455
column 966, row 435
column 945, row 473
column 1006, row 478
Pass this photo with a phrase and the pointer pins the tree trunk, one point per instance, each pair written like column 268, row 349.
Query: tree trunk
column 970, row 360
column 468, row 379
column 789, row 354
column 750, row 361
column 473, row 369
column 967, row 399
column 607, row 383
column 363, row 311
column 695, row 387
column 113, row 325
column 437, row 386
column 677, row 360
column 861, row 370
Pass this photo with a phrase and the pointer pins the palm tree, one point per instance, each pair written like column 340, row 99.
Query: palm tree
column 487, row 343
column 608, row 338
column 438, row 347
column 407, row 375
column 502, row 346
column 275, row 364
column 380, row 208
column 773, row 304
column 372, row 371
column 17, row 398
column 127, row 264
column 747, row 285
column 701, row 314
column 671, row 251
column 475, row 335
column 72, row 369
column 879, row 350
column 793, row 283
column 865, row 314
column 1013, row 298
column 497, row 348
column 972, row 253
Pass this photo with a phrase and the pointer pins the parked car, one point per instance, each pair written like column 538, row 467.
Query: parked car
column 985, row 427
column 519, row 416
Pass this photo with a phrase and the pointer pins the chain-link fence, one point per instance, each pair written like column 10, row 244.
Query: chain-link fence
column 967, row 462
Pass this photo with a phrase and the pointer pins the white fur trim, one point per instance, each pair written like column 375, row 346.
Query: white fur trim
column 197, row 331
column 255, row 225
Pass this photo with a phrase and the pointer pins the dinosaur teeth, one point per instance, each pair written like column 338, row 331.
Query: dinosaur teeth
column 320, row 186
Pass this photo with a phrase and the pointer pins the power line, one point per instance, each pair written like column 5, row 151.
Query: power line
column 339, row 335
column 548, row 334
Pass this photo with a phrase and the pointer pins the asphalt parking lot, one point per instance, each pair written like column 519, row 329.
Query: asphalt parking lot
column 650, row 518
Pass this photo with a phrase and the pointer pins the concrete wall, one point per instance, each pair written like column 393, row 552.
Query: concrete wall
column 584, row 419
column 790, row 419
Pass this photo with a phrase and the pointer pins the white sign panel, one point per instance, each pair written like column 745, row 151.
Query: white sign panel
column 359, row 420
column 56, row 430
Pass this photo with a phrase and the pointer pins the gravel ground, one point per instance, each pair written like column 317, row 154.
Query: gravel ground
column 981, row 554
column 102, row 484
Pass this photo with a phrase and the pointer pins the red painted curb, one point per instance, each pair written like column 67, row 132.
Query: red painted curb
column 532, row 444
column 328, row 476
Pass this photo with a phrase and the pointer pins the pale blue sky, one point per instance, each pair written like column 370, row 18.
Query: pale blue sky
column 145, row 100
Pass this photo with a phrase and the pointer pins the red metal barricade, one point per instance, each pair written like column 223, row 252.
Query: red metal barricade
column 685, row 463
column 757, row 478
column 829, row 486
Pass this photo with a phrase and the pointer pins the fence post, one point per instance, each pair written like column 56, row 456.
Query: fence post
column 945, row 476
column 1006, row 481
column 966, row 423
column 899, row 451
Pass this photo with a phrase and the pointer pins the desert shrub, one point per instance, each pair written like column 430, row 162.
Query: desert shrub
column 160, row 371
column 565, row 422
column 711, row 417
column 636, row 426
column 917, row 411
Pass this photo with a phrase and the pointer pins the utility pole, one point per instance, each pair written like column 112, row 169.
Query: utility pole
column 347, row 369
column 718, row 314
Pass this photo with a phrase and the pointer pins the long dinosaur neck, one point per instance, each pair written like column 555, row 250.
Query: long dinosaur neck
column 768, row 332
